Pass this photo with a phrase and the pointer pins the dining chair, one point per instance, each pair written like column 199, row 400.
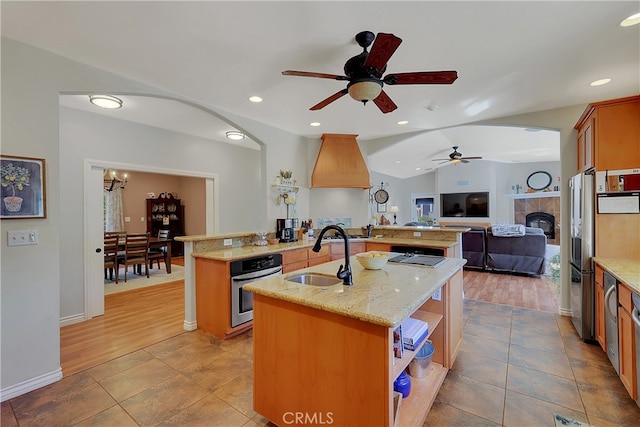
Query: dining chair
column 136, row 253
column 111, row 256
column 159, row 253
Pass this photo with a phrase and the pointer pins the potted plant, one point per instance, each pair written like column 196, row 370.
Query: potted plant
column 14, row 177
column 426, row 218
column 286, row 177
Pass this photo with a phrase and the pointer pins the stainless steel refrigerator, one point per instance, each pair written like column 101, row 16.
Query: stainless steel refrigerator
column 582, row 250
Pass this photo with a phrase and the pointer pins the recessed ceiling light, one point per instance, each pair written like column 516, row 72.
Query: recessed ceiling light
column 255, row 99
column 418, row 169
column 105, row 101
column 314, row 124
column 403, row 122
column 631, row 20
column 600, row 82
column 235, row 135
column 397, row 162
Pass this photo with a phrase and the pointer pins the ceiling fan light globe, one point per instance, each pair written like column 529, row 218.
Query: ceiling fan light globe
column 364, row 91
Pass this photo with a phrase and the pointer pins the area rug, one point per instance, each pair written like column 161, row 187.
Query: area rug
column 562, row 421
column 156, row 277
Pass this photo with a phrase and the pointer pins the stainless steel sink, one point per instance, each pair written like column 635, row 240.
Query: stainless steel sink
column 314, row 279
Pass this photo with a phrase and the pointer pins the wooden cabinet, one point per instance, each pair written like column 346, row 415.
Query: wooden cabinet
column 626, row 340
column 383, row 247
column 337, row 249
column 296, row 259
column 166, row 214
column 601, row 330
column 608, row 135
column 585, row 144
column 350, row 383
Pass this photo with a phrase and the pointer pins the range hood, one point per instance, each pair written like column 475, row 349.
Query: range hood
column 340, row 164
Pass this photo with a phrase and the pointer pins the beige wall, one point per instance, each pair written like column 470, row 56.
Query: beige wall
column 191, row 192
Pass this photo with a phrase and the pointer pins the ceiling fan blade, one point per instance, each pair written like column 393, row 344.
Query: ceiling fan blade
column 329, row 100
column 312, row 74
column 470, row 158
column 422, row 77
column 384, row 103
column 383, row 47
column 439, row 160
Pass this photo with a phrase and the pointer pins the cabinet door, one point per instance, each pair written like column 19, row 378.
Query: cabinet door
column 383, row 247
column 601, row 329
column 627, row 349
column 585, row 145
column 617, row 134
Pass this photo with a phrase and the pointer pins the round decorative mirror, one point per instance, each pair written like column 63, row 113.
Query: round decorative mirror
column 539, row 180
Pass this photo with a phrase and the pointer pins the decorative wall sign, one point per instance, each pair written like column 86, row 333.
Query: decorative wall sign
column 382, row 207
column 23, row 187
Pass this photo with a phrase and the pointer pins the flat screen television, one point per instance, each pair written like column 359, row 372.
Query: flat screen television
column 467, row 205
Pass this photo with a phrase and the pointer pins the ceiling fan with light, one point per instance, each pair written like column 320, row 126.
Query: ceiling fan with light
column 456, row 157
column 364, row 73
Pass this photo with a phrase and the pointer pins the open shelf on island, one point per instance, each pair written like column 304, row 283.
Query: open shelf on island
column 433, row 319
column 424, row 390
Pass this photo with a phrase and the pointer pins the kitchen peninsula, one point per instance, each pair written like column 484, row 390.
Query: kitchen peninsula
column 326, row 353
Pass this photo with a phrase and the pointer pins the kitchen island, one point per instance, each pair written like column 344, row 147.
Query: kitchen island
column 324, row 355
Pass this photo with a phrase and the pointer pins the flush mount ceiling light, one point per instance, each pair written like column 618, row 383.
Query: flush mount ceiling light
column 235, row 135
column 402, row 122
column 255, row 99
column 364, row 91
column 599, row 82
column 314, row 124
column 105, row 101
column 631, row 20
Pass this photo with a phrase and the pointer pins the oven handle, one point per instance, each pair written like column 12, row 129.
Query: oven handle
column 257, row 274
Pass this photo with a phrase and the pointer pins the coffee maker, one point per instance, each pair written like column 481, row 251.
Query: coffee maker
column 284, row 230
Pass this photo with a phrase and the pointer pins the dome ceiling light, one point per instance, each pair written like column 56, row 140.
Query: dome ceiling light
column 235, row 135
column 105, row 101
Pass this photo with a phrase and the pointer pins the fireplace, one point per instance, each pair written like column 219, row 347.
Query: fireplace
column 542, row 220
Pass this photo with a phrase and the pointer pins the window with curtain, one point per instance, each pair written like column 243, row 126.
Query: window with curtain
column 113, row 211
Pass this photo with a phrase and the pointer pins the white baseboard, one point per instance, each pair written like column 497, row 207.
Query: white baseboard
column 30, row 385
column 566, row 312
column 190, row 326
column 70, row 320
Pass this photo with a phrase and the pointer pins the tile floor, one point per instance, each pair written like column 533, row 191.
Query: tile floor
column 517, row 367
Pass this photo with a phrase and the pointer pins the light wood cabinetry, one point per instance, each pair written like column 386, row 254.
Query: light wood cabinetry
column 608, row 135
column 296, row 259
column 340, row 368
column 373, row 246
column 626, row 340
column 601, row 330
column 337, row 249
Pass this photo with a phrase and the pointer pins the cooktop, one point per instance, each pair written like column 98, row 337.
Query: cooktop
column 426, row 260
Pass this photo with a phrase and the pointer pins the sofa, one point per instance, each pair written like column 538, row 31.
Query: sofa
column 513, row 254
column 521, row 254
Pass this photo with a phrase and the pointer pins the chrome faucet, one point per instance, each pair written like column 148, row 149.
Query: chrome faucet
column 344, row 272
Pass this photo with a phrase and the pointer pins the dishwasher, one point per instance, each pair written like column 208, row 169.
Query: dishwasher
column 636, row 319
column 611, row 322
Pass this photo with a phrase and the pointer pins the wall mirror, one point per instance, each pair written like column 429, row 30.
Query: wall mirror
column 539, row 180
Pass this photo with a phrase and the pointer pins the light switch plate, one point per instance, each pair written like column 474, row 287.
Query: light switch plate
column 227, row 242
column 22, row 237
column 417, row 234
column 127, row 219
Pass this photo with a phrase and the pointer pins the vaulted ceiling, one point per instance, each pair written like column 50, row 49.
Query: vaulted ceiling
column 511, row 58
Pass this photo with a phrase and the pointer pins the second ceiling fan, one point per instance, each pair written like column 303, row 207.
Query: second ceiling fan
column 456, row 157
column 364, row 73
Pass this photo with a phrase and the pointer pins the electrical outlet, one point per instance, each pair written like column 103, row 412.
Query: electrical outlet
column 142, row 219
column 22, row 237
column 228, row 242
column 127, row 219
column 417, row 234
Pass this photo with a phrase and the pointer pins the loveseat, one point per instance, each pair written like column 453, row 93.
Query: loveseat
column 517, row 254
column 513, row 254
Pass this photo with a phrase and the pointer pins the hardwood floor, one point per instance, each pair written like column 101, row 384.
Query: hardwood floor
column 133, row 320
column 537, row 293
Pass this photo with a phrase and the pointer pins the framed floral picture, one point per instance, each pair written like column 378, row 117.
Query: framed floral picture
column 23, row 187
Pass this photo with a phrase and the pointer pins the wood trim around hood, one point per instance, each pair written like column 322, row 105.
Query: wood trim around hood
column 340, row 164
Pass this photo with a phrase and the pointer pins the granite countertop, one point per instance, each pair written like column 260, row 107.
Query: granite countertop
column 625, row 270
column 385, row 297
column 235, row 253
